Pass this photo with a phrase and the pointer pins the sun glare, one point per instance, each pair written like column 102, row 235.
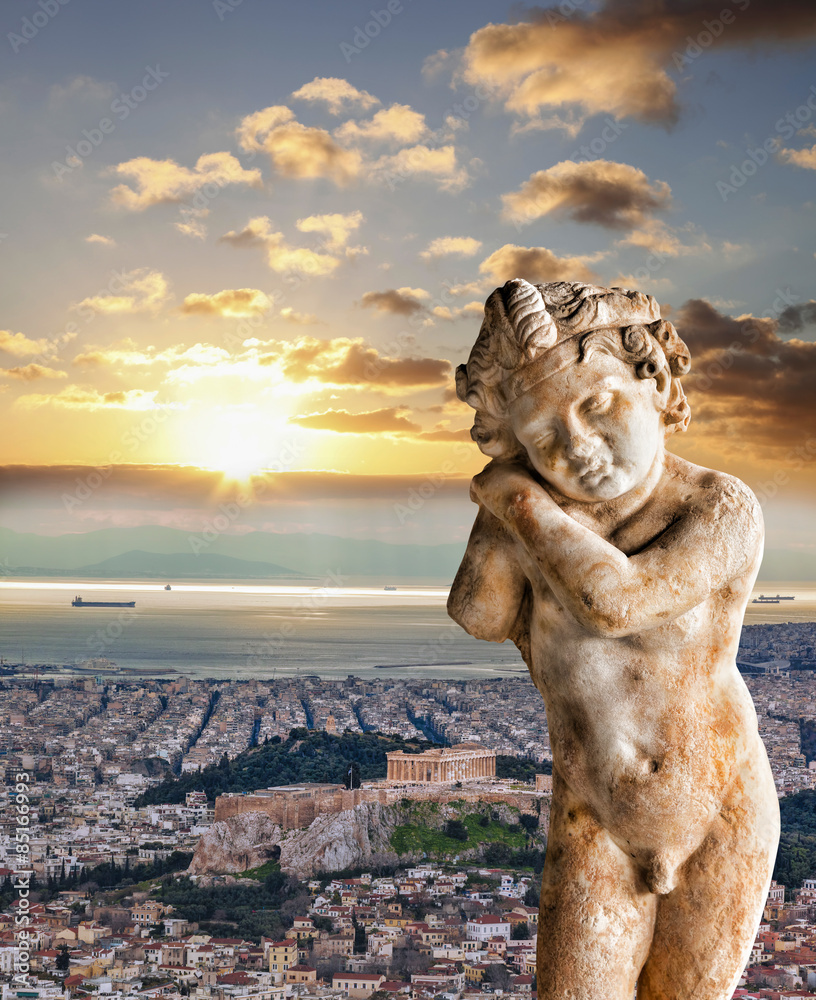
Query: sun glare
column 238, row 460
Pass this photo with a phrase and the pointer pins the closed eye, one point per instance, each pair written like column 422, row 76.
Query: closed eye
column 543, row 440
column 598, row 403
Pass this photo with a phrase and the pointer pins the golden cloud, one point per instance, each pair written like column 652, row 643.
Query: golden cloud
column 105, row 241
column 337, row 226
column 422, row 162
column 280, row 256
column 29, row 373
column 448, row 246
column 160, row 181
column 21, row 346
column 342, row 361
column 398, row 124
column 74, row 397
column 141, row 290
column 600, row 191
column 388, row 420
column 805, row 158
column 230, row 302
column 535, row 264
column 337, row 94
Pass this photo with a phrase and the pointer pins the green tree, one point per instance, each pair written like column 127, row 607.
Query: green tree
column 63, row 960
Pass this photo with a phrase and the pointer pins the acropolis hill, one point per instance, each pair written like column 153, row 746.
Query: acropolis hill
column 321, row 827
column 465, row 772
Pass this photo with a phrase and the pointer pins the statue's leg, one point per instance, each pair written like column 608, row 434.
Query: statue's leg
column 706, row 926
column 597, row 916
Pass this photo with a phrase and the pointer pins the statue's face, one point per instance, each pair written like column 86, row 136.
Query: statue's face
column 592, row 430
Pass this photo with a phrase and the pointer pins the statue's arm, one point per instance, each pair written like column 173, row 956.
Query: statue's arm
column 708, row 546
column 487, row 592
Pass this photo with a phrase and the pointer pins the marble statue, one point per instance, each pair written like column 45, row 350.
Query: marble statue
column 622, row 573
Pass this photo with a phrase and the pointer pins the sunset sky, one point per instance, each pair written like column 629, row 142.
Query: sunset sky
column 256, row 237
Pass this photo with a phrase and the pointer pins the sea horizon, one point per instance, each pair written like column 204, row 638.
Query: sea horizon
column 231, row 629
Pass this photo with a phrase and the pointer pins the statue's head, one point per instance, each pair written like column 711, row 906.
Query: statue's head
column 581, row 382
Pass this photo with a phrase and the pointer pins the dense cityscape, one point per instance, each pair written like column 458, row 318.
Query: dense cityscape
column 106, row 912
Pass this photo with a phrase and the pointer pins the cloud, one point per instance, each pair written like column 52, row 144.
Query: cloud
column 230, row 302
column 163, row 181
column 141, row 290
column 805, row 158
column 298, row 150
column 535, row 264
column 795, row 318
column 608, row 194
column 280, row 255
column 338, row 227
column 255, row 127
column 400, row 301
column 447, row 246
column 74, row 397
column 656, row 237
column 337, row 94
column 398, row 124
column 469, row 311
column 388, row 420
column 748, row 386
column 21, row 346
column 84, row 88
column 29, row 373
column 105, row 241
column 191, row 222
column 422, row 162
column 468, row 288
column 614, row 60
column 301, row 319
column 342, row 361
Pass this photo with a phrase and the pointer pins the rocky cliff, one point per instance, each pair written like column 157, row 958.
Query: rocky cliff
column 369, row 834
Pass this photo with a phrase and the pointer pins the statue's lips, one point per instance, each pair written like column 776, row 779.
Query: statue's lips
column 593, row 473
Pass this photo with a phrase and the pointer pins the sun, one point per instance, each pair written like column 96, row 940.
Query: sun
column 238, row 459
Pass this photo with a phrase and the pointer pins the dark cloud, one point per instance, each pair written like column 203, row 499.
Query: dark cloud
column 609, row 194
column 534, row 264
column 351, row 362
column 394, row 300
column 748, row 385
column 795, row 318
column 622, row 58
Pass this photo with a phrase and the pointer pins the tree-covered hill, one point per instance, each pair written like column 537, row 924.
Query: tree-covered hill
column 796, row 859
column 309, row 756
column 305, row 756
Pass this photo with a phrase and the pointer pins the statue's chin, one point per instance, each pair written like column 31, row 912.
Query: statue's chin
column 600, row 491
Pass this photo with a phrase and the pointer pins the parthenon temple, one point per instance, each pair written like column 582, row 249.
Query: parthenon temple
column 463, row 762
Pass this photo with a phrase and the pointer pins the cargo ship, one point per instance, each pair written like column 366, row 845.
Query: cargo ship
column 762, row 599
column 79, row 603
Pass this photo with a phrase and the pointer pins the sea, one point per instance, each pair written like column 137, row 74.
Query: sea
column 226, row 630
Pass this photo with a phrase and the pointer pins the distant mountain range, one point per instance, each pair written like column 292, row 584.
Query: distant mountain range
column 168, row 554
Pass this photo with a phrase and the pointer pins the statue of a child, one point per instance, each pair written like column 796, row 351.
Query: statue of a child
column 622, row 573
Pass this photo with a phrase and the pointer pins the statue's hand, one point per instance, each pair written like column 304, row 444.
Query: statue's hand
column 503, row 484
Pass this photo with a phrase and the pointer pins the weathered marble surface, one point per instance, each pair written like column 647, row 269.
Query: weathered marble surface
column 622, row 573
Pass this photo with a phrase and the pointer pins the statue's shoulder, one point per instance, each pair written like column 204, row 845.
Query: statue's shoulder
column 716, row 496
